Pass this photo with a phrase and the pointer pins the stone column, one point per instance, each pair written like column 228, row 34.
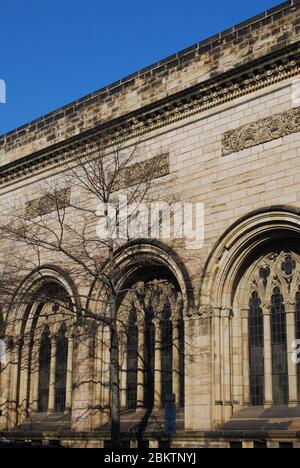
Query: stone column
column 82, row 414
column 268, row 356
column 13, row 413
column 141, row 363
column 176, row 361
column 69, row 382
column 5, row 373
column 105, row 376
column 24, row 378
column 35, row 376
column 226, row 315
column 52, row 382
column 292, row 366
column 123, row 369
column 157, row 364
column 218, row 417
column 198, row 370
column 246, row 357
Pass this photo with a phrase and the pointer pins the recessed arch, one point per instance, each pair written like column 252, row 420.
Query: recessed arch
column 257, row 255
column 40, row 321
column 21, row 310
column 146, row 272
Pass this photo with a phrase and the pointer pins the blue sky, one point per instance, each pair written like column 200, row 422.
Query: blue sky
column 55, row 51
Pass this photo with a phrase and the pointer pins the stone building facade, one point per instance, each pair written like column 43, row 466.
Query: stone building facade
column 225, row 112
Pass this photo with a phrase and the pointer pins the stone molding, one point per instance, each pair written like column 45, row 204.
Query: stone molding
column 261, row 131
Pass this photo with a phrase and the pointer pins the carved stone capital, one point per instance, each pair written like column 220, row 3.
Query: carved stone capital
column 227, row 313
column 290, row 307
column 217, row 312
column 244, row 312
column 266, row 308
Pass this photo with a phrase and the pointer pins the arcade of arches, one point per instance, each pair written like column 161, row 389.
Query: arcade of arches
column 61, row 367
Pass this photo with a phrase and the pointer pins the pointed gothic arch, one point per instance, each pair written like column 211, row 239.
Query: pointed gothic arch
column 258, row 255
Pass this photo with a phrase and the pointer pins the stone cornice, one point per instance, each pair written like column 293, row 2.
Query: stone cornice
column 256, row 75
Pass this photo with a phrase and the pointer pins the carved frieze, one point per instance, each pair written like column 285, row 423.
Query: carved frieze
column 144, row 171
column 262, row 131
column 48, row 203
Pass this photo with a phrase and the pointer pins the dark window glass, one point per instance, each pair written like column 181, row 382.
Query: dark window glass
column 279, row 349
column 286, row 445
column 288, row 265
column 132, row 361
column 260, row 445
column 164, row 444
column 149, row 356
column 143, row 445
column 256, row 351
column 61, row 370
column 44, row 371
column 236, row 445
column 166, row 355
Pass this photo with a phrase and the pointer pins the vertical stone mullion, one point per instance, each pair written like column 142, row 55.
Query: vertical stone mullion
column 13, row 410
column 24, row 377
column 292, row 366
column 69, row 372
column 157, row 365
column 35, row 375
column 217, row 365
column 52, row 383
column 123, row 369
column 246, row 356
column 141, row 363
column 226, row 362
column 176, row 362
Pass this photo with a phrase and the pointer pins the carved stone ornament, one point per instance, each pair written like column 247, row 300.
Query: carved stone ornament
column 155, row 294
column 48, row 203
column 262, row 131
column 203, row 312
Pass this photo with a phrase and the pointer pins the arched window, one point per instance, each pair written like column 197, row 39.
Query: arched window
column 275, row 279
column 44, row 371
column 132, row 361
column 157, row 309
column 279, row 349
column 149, row 354
column 61, row 369
column 166, row 354
column 256, row 351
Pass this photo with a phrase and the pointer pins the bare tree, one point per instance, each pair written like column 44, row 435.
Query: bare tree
column 77, row 220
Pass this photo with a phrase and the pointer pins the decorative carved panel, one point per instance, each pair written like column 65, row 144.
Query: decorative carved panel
column 262, row 131
column 48, row 203
column 145, row 171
